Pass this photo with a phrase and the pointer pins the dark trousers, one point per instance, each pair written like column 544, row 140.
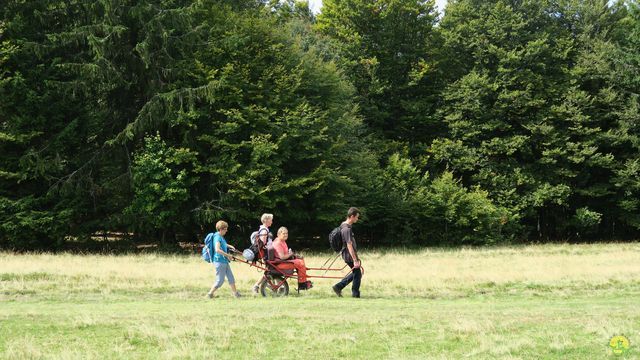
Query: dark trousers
column 355, row 276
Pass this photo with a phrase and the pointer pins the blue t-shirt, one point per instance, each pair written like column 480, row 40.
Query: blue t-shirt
column 223, row 246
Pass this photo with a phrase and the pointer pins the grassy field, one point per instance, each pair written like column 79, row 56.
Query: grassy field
column 551, row 301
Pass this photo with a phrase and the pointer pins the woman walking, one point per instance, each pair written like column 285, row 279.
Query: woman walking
column 221, row 260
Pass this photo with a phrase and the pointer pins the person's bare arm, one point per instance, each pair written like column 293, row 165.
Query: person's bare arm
column 352, row 252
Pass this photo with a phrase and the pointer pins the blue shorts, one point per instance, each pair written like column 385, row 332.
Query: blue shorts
column 223, row 270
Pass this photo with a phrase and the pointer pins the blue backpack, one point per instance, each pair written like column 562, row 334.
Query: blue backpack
column 207, row 250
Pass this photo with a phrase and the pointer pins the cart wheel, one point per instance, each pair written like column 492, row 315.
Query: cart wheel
column 266, row 289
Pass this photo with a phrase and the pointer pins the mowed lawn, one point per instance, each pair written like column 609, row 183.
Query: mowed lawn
column 529, row 302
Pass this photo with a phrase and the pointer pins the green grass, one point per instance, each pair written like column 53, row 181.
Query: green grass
column 549, row 302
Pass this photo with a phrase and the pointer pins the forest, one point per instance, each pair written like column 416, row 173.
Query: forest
column 492, row 121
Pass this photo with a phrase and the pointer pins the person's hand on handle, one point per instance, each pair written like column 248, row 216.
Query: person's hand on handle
column 356, row 264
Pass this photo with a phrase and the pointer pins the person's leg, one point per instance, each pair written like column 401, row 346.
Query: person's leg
column 284, row 266
column 345, row 281
column 301, row 268
column 220, row 274
column 234, row 291
column 296, row 264
column 232, row 282
column 256, row 286
column 357, row 277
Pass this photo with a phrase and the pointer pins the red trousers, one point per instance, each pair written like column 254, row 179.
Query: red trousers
column 297, row 264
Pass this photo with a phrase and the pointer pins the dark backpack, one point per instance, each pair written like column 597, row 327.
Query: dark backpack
column 335, row 239
column 256, row 247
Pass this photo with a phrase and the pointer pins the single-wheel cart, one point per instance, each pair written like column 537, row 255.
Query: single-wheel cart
column 276, row 280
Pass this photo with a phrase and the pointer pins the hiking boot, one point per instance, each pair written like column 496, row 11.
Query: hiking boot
column 337, row 290
column 305, row 285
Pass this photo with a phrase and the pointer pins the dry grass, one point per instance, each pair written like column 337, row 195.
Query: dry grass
column 551, row 301
column 426, row 273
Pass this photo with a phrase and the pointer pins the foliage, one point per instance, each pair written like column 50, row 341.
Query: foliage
column 416, row 209
column 387, row 49
column 534, row 106
column 498, row 120
column 161, row 191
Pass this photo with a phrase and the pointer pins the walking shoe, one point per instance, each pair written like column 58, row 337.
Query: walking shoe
column 305, row 285
column 255, row 290
column 237, row 294
column 209, row 295
column 337, row 290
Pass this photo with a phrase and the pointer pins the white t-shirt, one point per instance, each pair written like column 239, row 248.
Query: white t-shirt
column 262, row 230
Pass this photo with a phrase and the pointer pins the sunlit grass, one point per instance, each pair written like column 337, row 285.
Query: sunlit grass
column 426, row 273
column 550, row 301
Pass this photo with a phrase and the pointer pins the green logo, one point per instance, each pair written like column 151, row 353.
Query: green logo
column 619, row 344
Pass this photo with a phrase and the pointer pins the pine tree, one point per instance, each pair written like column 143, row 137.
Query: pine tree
column 389, row 50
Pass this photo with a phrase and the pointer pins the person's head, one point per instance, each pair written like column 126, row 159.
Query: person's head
column 283, row 233
column 353, row 214
column 267, row 219
column 222, row 227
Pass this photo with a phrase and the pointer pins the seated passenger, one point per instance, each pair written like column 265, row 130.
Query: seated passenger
column 282, row 252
